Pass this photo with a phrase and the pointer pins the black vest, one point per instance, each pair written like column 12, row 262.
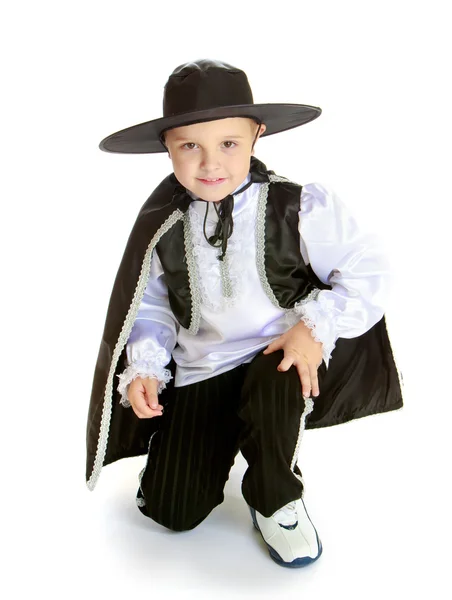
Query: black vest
column 284, row 275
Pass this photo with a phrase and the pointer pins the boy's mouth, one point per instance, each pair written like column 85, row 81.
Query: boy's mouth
column 212, row 181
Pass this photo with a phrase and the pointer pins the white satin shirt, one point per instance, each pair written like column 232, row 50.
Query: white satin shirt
column 233, row 330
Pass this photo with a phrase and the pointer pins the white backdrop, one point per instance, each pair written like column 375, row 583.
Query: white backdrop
column 73, row 73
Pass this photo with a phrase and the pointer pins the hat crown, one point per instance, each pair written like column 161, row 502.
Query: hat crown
column 206, row 90
column 205, row 84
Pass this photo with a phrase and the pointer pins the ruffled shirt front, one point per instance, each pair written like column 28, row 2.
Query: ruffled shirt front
column 238, row 319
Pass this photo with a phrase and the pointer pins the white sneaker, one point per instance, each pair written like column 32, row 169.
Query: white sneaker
column 290, row 536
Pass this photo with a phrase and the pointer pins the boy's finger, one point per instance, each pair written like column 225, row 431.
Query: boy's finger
column 275, row 345
column 305, row 378
column 151, row 386
column 314, row 380
column 142, row 409
column 138, row 400
column 153, row 401
column 148, row 415
column 286, row 363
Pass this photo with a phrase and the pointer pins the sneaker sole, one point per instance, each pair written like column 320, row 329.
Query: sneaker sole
column 297, row 562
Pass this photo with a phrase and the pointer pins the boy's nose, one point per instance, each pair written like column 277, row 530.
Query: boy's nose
column 210, row 160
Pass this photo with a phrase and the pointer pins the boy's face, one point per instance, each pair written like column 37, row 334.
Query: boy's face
column 211, row 150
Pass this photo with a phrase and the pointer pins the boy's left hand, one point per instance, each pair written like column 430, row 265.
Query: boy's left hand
column 301, row 350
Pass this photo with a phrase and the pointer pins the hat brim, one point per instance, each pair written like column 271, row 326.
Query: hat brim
column 144, row 137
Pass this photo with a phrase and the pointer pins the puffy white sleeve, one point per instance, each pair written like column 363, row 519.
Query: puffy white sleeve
column 349, row 259
column 153, row 336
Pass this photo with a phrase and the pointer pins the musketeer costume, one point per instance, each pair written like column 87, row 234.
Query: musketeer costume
column 192, row 315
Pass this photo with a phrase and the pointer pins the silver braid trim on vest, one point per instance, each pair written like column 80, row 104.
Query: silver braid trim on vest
column 122, row 340
column 260, row 242
column 193, row 277
column 308, row 408
column 292, row 316
column 274, row 178
column 260, row 238
column 313, row 295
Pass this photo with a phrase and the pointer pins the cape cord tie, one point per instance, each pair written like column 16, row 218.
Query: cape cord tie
column 225, row 224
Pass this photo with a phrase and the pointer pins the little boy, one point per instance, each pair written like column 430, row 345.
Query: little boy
column 234, row 286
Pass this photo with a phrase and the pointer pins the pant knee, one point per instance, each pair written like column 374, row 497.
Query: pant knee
column 183, row 523
column 176, row 519
column 263, row 375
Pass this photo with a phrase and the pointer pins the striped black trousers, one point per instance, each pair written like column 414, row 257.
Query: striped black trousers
column 252, row 408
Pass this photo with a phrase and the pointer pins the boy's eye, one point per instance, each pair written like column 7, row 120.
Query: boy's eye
column 226, row 142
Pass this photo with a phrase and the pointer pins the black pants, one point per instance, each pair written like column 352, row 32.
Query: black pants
column 252, row 408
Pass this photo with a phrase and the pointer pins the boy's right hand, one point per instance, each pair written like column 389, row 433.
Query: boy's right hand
column 143, row 398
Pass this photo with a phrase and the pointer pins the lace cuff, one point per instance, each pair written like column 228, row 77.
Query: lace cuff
column 150, row 365
column 317, row 312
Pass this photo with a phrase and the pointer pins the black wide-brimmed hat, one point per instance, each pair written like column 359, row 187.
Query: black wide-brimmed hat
column 206, row 90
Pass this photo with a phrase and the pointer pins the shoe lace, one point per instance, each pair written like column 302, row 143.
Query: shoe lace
column 287, row 515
